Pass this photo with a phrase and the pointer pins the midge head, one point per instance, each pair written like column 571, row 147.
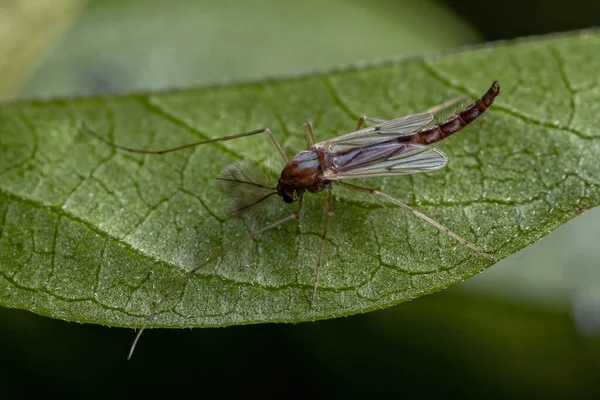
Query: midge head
column 287, row 192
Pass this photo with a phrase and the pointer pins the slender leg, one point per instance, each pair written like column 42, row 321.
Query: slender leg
column 431, row 110
column 364, row 118
column 310, row 135
column 328, row 218
column 192, row 272
column 419, row 215
column 446, row 104
column 187, row 146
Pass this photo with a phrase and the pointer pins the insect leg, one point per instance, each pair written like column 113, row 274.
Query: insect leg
column 431, row 110
column 189, row 145
column 193, row 271
column 364, row 118
column 418, row 214
column 328, row 218
column 310, row 134
column 446, row 104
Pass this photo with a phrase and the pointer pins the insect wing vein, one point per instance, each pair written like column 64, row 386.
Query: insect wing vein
column 409, row 159
column 381, row 132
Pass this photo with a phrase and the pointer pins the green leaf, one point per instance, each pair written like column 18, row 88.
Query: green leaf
column 127, row 45
column 91, row 234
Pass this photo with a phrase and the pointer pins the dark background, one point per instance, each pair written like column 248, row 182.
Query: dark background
column 509, row 19
column 464, row 341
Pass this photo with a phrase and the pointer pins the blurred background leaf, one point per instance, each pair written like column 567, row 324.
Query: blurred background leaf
column 528, row 326
column 117, row 46
column 28, row 30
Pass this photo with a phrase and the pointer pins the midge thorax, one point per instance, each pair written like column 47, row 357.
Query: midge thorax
column 395, row 147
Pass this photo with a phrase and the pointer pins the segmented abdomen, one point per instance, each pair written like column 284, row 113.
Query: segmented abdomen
column 435, row 133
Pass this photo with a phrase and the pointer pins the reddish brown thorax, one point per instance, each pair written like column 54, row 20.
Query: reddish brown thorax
column 301, row 173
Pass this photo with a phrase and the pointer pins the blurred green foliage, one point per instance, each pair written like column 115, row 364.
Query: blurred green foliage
column 120, row 46
column 27, row 30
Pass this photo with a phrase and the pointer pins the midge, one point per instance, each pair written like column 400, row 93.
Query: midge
column 396, row 147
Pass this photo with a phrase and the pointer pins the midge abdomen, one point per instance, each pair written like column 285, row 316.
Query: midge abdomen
column 435, row 133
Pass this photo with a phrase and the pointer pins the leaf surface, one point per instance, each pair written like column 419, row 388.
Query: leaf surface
column 91, row 234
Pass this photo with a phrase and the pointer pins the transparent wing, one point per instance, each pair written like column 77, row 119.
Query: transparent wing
column 381, row 132
column 388, row 159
